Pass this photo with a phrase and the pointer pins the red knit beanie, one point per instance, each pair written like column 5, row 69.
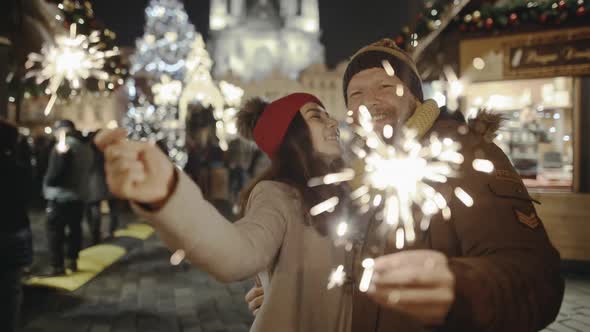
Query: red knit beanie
column 274, row 122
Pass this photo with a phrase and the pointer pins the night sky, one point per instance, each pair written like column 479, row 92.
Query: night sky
column 346, row 26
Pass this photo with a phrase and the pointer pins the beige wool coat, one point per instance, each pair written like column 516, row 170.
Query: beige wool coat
column 273, row 240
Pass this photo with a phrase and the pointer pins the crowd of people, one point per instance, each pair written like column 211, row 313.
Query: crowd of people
column 63, row 175
column 65, row 178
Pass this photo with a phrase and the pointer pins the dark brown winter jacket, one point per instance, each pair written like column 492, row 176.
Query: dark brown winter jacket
column 506, row 269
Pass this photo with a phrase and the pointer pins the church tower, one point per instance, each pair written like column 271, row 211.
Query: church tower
column 225, row 13
column 303, row 15
column 251, row 39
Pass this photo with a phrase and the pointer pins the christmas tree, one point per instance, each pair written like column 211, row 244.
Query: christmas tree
column 166, row 42
column 200, row 90
column 159, row 67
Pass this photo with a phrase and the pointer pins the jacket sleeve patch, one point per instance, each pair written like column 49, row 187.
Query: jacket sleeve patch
column 530, row 220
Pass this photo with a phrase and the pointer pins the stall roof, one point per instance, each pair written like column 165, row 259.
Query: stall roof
column 438, row 48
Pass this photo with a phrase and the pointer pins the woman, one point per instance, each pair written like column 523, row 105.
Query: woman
column 276, row 234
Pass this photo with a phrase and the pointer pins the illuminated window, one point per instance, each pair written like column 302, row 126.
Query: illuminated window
column 537, row 134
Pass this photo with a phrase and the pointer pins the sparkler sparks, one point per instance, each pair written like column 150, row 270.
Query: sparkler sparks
column 70, row 59
column 483, row 165
column 62, row 146
column 177, row 257
column 337, row 277
column 398, row 182
column 367, row 274
column 400, row 174
column 388, row 67
column 326, row 205
column 342, row 229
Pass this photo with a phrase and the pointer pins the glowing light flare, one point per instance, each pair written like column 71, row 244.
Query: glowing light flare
column 62, row 146
column 342, row 229
column 50, row 104
column 367, row 275
column 392, row 211
column 464, row 197
column 359, row 192
column 399, row 90
column 456, row 89
column 399, row 238
column 345, row 175
column 337, row 277
column 377, row 200
column 177, row 257
column 483, row 165
column 365, row 118
column 387, row 131
column 440, row 201
column 446, row 213
column 388, row 68
column 324, row 206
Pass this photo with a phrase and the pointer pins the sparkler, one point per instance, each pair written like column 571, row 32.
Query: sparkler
column 395, row 178
column 397, row 181
column 337, row 277
column 70, row 59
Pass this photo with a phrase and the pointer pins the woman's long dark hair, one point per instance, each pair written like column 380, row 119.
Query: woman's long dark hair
column 295, row 163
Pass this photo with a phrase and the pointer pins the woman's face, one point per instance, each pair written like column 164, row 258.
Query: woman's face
column 325, row 135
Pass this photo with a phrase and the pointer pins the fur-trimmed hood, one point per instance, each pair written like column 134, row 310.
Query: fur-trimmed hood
column 486, row 123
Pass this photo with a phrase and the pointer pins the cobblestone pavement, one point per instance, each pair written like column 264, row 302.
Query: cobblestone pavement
column 575, row 308
column 140, row 292
column 143, row 292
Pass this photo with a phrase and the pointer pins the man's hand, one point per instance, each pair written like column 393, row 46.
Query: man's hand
column 135, row 171
column 254, row 298
column 416, row 282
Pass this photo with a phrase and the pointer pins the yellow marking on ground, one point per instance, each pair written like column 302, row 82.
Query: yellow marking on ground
column 139, row 231
column 91, row 262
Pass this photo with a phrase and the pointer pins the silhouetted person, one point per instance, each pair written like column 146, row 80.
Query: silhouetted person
column 66, row 191
column 16, row 250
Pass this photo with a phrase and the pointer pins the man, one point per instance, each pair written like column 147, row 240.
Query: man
column 16, row 247
column 491, row 267
column 66, row 191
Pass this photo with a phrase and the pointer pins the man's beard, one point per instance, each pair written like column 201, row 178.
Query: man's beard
column 383, row 116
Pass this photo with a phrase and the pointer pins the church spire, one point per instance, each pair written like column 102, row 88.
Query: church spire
column 302, row 15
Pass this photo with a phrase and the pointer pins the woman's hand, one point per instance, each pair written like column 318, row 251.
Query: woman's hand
column 254, row 298
column 417, row 282
column 136, row 171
